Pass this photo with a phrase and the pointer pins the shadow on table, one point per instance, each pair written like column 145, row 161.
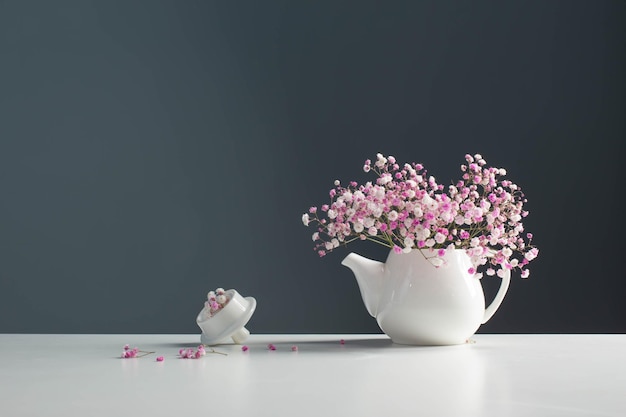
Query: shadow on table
column 330, row 344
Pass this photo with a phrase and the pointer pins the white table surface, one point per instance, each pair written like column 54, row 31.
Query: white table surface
column 498, row 375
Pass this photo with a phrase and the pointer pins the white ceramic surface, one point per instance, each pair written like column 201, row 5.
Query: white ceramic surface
column 416, row 303
column 228, row 322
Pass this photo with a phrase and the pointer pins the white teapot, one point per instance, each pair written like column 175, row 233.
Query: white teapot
column 418, row 303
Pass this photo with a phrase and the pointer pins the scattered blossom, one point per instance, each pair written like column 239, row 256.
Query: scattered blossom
column 190, row 353
column 405, row 209
column 128, row 353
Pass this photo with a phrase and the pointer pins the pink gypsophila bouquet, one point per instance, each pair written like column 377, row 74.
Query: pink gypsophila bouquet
column 405, row 209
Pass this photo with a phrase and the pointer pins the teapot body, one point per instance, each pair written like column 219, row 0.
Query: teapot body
column 423, row 304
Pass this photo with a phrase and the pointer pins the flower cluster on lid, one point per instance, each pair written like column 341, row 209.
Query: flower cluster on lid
column 406, row 209
column 216, row 300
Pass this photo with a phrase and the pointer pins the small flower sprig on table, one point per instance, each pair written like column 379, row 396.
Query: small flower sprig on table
column 406, row 209
column 129, row 353
column 189, row 353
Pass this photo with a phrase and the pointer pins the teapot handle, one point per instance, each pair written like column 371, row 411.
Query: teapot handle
column 504, row 286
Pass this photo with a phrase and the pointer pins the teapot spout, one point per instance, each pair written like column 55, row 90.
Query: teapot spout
column 369, row 277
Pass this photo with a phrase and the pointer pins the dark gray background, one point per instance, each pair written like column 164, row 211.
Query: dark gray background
column 153, row 150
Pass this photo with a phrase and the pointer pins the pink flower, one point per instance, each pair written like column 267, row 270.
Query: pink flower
column 244, row 348
column 404, row 207
column 160, row 358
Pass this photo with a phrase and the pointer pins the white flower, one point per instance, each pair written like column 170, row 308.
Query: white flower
column 421, row 233
column 221, row 299
column 440, row 237
column 380, row 160
column 372, row 231
column 315, row 236
column 385, row 179
column 332, row 214
column 358, row 227
column 408, row 242
column 305, row 219
column 393, row 215
column 531, row 254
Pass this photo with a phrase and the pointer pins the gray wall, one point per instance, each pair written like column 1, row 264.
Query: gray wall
column 153, row 150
